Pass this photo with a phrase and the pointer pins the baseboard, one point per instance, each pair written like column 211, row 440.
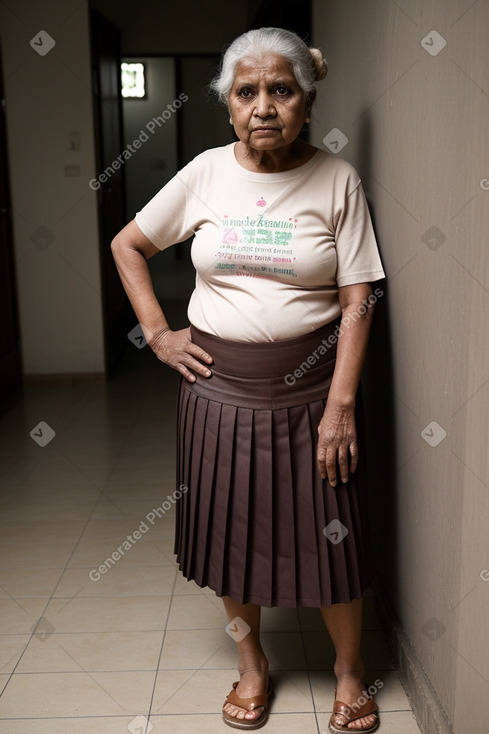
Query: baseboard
column 427, row 709
column 82, row 378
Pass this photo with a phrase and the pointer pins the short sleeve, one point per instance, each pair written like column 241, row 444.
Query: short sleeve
column 163, row 219
column 358, row 259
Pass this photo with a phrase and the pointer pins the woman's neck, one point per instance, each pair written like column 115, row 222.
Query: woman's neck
column 275, row 160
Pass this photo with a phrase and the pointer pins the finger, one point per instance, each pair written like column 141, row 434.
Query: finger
column 331, row 467
column 189, row 376
column 198, row 367
column 354, row 456
column 321, row 456
column 343, row 463
column 190, row 361
column 199, row 353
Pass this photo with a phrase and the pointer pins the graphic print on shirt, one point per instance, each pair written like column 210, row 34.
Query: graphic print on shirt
column 257, row 246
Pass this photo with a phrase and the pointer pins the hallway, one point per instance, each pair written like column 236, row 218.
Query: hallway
column 137, row 642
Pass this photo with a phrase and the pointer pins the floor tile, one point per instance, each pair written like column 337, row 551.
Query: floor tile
column 11, row 649
column 22, row 583
column 35, row 555
column 90, row 553
column 76, row 694
column 212, row 724
column 23, row 511
column 277, row 619
column 108, row 614
column 20, row 617
column 72, row 725
column 43, row 531
column 202, row 648
column 284, row 650
column 184, row 587
column 292, row 692
column 92, row 651
column 198, row 611
column 116, row 581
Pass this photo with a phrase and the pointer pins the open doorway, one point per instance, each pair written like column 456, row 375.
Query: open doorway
column 175, row 120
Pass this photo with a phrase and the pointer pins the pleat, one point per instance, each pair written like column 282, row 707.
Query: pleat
column 307, row 507
column 283, row 511
column 204, row 496
column 186, row 409
column 222, row 507
column 261, row 526
column 251, row 524
column 234, row 566
column 195, row 428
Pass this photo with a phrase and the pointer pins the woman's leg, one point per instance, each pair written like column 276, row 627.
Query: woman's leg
column 344, row 624
column 253, row 664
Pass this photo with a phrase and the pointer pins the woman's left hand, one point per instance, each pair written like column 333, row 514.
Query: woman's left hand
column 337, row 443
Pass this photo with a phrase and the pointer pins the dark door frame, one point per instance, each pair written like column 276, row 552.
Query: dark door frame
column 10, row 354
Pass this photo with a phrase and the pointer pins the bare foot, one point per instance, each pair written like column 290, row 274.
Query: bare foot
column 349, row 690
column 252, row 683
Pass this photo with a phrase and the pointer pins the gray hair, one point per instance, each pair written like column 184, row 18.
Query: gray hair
column 307, row 63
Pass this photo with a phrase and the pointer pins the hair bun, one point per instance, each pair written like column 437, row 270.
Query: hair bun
column 319, row 64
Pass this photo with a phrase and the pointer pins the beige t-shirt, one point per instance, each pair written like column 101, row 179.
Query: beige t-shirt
column 269, row 249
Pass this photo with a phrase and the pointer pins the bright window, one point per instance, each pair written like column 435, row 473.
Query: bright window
column 133, row 82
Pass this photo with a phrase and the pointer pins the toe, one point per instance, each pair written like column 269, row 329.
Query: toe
column 239, row 713
column 363, row 723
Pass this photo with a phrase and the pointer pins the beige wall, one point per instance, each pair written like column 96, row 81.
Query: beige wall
column 417, row 129
column 47, row 97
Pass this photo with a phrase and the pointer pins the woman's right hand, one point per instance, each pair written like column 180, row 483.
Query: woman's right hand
column 176, row 349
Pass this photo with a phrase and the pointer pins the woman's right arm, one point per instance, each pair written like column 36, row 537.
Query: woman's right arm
column 131, row 249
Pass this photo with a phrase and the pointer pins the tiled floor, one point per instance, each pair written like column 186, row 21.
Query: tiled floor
column 137, row 648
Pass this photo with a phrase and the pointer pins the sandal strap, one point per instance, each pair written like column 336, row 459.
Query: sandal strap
column 246, row 703
column 340, row 708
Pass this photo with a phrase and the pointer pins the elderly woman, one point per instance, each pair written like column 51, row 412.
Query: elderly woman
column 269, row 428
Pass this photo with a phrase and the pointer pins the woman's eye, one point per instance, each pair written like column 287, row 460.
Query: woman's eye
column 281, row 90
column 246, row 93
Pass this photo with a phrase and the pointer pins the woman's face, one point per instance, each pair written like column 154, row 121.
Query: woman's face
column 267, row 105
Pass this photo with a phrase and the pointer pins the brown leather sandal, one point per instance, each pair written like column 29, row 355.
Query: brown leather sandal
column 341, row 709
column 248, row 704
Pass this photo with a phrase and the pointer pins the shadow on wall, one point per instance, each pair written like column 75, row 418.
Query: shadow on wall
column 378, row 397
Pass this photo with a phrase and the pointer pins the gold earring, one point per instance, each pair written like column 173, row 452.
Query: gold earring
column 308, row 119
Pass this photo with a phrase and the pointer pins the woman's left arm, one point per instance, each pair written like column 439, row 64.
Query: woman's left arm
column 337, row 443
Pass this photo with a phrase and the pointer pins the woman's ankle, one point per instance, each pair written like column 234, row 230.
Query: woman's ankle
column 258, row 666
column 350, row 671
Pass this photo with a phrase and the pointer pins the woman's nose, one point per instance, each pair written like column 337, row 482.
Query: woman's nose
column 264, row 105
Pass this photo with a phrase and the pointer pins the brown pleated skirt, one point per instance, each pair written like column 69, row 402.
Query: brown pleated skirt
column 256, row 522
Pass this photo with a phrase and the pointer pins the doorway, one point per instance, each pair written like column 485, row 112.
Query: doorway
column 176, row 120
